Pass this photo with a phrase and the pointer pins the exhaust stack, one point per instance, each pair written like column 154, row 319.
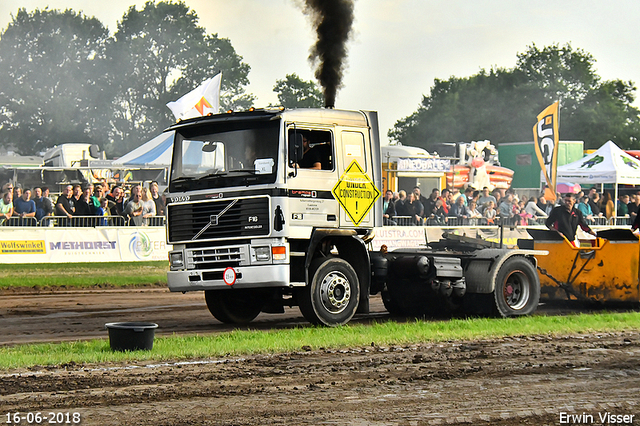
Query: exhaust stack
column 332, row 20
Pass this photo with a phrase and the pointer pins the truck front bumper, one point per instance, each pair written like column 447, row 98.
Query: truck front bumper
column 239, row 277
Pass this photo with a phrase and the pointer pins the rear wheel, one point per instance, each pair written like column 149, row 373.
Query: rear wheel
column 517, row 290
column 332, row 296
column 235, row 306
column 390, row 304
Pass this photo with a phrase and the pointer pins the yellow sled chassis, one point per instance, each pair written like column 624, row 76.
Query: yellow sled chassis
column 602, row 270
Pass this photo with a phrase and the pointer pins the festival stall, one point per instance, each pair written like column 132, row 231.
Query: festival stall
column 479, row 168
column 607, row 165
column 154, row 153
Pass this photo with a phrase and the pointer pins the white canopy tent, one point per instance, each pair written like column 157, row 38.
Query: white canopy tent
column 154, row 153
column 609, row 164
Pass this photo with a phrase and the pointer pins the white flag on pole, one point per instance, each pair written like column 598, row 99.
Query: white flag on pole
column 200, row 101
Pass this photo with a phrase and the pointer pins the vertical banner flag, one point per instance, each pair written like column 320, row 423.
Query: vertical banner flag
column 545, row 140
column 200, row 101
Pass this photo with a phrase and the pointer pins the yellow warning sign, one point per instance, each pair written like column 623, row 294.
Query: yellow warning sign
column 356, row 192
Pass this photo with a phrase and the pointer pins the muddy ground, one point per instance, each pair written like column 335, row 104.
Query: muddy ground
column 539, row 380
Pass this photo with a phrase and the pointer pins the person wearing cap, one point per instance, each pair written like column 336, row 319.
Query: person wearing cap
column 7, row 187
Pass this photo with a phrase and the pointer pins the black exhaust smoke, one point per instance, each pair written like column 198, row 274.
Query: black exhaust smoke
column 332, row 20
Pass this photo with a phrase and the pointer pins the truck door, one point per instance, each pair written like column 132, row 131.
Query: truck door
column 310, row 198
column 356, row 198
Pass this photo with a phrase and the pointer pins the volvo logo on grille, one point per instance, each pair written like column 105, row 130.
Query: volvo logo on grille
column 213, row 219
column 253, row 219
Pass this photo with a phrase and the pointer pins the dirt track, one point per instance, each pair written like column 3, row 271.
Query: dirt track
column 511, row 381
column 27, row 317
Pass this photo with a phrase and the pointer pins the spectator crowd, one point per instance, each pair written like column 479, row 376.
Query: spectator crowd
column 98, row 204
column 472, row 207
column 101, row 204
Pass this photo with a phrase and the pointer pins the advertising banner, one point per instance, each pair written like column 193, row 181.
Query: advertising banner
column 398, row 237
column 423, row 165
column 64, row 245
column 546, row 139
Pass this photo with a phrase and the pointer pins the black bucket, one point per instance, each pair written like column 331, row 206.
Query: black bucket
column 131, row 336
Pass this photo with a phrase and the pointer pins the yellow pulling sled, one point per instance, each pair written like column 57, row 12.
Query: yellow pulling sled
column 602, row 270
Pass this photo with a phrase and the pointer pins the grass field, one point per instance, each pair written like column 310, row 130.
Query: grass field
column 84, row 274
column 252, row 342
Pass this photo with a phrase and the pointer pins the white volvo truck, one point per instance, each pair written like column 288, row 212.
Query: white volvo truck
column 257, row 230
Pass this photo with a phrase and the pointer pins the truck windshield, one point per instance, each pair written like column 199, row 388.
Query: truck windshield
column 224, row 154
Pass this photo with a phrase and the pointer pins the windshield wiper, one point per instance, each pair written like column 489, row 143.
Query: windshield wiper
column 182, row 179
column 214, row 174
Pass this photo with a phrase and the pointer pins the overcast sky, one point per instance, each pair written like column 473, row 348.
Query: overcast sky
column 399, row 46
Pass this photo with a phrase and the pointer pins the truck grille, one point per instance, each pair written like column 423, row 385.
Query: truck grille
column 220, row 257
column 219, row 219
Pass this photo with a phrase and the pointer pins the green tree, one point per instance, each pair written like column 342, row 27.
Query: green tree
column 501, row 105
column 293, row 92
column 158, row 54
column 51, row 80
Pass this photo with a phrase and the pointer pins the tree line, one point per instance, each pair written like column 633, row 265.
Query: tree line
column 501, row 104
column 65, row 78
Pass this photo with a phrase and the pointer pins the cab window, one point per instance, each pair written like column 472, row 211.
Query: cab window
column 354, row 149
column 318, row 149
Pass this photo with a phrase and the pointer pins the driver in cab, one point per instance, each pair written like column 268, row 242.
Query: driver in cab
column 311, row 157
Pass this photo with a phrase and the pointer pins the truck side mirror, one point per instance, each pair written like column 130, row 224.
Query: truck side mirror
column 296, row 150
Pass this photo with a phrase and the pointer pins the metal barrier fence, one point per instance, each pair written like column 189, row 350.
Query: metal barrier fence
column 79, row 221
column 20, row 221
column 156, row 221
column 94, row 221
column 455, row 221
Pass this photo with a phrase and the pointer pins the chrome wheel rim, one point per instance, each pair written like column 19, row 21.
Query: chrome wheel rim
column 516, row 290
column 335, row 292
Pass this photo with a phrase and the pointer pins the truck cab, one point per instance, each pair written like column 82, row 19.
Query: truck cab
column 251, row 227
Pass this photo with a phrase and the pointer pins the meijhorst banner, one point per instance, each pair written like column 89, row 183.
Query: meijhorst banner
column 546, row 139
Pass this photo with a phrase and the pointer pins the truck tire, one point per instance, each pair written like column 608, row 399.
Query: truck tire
column 332, row 296
column 390, row 304
column 235, row 306
column 517, row 290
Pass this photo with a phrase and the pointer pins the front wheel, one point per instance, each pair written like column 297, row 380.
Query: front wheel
column 517, row 290
column 235, row 306
column 333, row 295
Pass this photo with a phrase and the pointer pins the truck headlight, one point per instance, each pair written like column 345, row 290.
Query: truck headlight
column 262, row 254
column 175, row 258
